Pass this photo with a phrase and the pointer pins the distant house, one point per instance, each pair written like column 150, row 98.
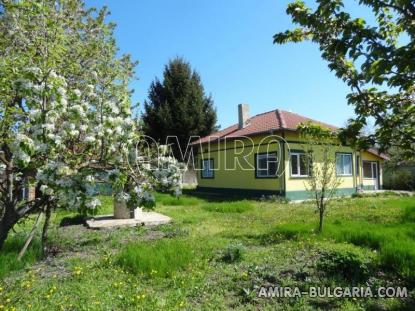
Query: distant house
column 249, row 158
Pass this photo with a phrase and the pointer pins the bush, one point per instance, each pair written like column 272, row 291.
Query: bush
column 232, row 253
column 228, row 207
column 160, row 258
column 347, row 262
column 400, row 179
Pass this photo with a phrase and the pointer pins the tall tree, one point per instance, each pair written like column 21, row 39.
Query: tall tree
column 375, row 59
column 178, row 106
column 65, row 111
column 65, row 106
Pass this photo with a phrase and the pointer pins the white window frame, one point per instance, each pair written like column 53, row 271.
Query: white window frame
column 298, row 154
column 343, row 154
column 208, row 167
column 257, row 169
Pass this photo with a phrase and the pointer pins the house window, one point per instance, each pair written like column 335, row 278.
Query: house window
column 344, row 164
column 207, row 168
column 357, row 165
column 367, row 169
column 266, row 165
column 300, row 165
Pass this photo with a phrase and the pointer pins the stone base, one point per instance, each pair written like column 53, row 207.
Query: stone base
column 141, row 219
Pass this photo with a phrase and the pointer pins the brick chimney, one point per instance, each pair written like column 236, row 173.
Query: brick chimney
column 243, row 115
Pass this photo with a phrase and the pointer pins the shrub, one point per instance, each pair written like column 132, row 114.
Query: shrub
column 400, row 179
column 228, row 207
column 232, row 253
column 347, row 262
column 159, row 258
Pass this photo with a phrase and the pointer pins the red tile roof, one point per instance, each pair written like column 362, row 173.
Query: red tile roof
column 263, row 123
column 376, row 152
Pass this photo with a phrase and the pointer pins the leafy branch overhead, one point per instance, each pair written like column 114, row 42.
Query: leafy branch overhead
column 375, row 60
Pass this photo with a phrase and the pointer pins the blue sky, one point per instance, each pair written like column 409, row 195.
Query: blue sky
column 229, row 42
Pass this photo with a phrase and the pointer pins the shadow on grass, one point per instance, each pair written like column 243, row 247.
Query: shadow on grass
column 219, row 196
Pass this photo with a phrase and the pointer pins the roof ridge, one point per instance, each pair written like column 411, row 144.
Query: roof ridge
column 259, row 114
column 281, row 118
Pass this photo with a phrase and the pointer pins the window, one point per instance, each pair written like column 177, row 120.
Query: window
column 207, row 168
column 367, row 170
column 300, row 167
column 357, row 165
column 344, row 164
column 266, row 165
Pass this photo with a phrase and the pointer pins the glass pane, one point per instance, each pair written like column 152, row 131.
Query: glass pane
column 262, row 162
column 375, row 171
column 294, row 166
column 347, row 164
column 357, row 166
column 303, row 165
column 367, row 170
column 339, row 166
column 272, row 166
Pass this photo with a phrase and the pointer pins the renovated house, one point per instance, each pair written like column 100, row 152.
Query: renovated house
column 263, row 155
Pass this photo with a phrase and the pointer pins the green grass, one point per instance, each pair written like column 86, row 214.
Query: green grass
column 198, row 257
column 169, row 200
column 161, row 258
column 395, row 243
column 10, row 251
column 228, row 207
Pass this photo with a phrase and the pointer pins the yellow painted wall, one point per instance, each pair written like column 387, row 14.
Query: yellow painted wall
column 239, row 154
column 231, row 155
column 299, row 183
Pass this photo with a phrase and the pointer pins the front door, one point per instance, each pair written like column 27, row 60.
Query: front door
column 375, row 174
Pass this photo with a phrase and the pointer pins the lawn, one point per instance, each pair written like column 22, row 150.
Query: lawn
column 213, row 250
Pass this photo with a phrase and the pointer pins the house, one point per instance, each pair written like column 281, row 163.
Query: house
column 263, row 155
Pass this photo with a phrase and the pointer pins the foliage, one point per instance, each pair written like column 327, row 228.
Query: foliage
column 228, row 207
column 178, row 107
column 322, row 182
column 159, row 259
column 374, row 58
column 232, row 253
column 402, row 178
column 65, row 109
column 65, row 113
column 347, row 262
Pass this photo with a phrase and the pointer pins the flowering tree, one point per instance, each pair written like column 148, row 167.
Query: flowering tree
column 65, row 111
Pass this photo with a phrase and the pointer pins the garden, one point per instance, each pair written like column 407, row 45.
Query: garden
column 215, row 254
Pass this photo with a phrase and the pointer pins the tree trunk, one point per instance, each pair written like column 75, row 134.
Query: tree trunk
column 9, row 219
column 48, row 213
column 320, row 225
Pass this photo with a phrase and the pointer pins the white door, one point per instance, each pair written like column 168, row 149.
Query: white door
column 375, row 175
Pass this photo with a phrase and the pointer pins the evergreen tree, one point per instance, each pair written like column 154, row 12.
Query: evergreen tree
column 178, row 106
